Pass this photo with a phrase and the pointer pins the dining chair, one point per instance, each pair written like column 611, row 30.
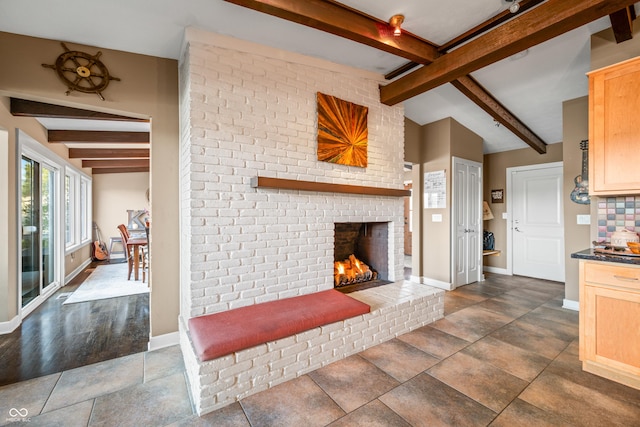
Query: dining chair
column 129, row 252
column 124, row 233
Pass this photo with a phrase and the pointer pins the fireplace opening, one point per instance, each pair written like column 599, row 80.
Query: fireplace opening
column 361, row 255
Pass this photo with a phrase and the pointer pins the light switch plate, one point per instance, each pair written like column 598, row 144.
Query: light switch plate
column 505, row 215
column 583, row 219
column 436, row 217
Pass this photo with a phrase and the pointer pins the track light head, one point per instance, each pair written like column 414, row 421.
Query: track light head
column 515, row 7
column 396, row 23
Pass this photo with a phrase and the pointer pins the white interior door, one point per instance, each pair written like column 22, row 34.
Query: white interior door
column 467, row 221
column 537, row 222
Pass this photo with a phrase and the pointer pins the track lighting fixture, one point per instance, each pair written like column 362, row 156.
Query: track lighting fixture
column 396, row 23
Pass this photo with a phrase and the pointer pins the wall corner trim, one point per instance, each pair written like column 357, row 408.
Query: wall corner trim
column 10, row 326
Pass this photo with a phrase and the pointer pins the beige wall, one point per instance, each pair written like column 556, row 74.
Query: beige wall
column 575, row 119
column 412, row 148
column 148, row 89
column 436, row 236
column 605, row 51
column 495, row 177
column 412, row 141
column 74, row 260
column 8, row 259
column 465, row 144
column 113, row 195
column 439, row 142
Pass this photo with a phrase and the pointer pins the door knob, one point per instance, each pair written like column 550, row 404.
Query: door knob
column 518, row 230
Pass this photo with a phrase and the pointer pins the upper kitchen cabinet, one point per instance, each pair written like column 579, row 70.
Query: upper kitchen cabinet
column 614, row 129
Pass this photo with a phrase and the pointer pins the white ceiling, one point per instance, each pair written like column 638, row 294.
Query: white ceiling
column 532, row 86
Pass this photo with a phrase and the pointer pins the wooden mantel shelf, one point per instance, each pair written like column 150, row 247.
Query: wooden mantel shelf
column 292, row 184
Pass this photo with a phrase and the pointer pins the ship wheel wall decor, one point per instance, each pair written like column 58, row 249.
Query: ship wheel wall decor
column 82, row 72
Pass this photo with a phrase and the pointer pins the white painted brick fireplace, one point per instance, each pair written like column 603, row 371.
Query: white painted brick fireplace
column 249, row 110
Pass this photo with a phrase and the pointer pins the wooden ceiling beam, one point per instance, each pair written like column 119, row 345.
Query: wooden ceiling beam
column 111, row 163
column 97, row 136
column 118, row 170
column 353, row 25
column 334, row 18
column 474, row 91
column 622, row 23
column 542, row 23
column 108, row 153
column 25, row 108
column 468, row 35
column 487, row 25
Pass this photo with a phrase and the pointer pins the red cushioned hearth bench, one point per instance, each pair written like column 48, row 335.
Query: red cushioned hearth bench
column 219, row 334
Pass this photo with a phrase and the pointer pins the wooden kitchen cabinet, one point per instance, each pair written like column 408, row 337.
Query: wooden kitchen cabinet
column 610, row 321
column 614, row 130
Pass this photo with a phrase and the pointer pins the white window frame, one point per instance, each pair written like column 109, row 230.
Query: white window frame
column 86, row 197
column 70, row 205
column 80, row 225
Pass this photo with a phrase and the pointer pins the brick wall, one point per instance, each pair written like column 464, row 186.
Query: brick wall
column 248, row 111
column 219, row 382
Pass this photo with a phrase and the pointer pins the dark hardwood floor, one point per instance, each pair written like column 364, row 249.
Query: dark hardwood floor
column 58, row 337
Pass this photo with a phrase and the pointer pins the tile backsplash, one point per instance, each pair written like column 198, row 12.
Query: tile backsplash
column 616, row 213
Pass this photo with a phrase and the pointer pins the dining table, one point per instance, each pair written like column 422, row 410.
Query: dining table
column 135, row 243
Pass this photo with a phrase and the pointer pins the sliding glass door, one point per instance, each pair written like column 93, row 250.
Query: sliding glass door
column 38, row 228
column 47, row 221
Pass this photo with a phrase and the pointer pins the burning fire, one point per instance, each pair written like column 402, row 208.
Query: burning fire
column 351, row 271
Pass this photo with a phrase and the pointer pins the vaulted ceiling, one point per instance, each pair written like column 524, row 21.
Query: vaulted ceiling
column 503, row 75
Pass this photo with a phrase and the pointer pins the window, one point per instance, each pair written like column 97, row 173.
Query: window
column 68, row 210
column 85, row 210
column 77, row 209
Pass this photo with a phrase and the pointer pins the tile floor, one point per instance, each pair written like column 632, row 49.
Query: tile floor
column 506, row 354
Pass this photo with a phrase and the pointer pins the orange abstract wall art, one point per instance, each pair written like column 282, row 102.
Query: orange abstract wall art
column 342, row 131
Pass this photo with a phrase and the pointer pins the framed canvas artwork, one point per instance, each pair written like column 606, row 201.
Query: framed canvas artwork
column 342, row 131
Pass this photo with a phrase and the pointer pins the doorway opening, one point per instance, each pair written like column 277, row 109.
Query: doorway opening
column 408, row 221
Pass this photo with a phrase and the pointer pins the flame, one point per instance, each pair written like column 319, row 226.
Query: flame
column 358, row 265
column 340, row 268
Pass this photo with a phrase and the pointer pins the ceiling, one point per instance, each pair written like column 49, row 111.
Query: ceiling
column 530, row 85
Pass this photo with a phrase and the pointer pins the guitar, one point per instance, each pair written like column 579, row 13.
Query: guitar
column 99, row 249
column 580, row 193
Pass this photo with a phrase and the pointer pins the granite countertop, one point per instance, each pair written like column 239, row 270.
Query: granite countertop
column 593, row 256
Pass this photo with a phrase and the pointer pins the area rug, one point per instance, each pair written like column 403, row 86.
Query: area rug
column 107, row 281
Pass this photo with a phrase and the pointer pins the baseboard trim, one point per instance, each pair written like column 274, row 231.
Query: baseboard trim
column 415, row 279
column 570, row 304
column 496, row 270
column 10, row 326
column 162, row 341
column 437, row 284
column 77, row 271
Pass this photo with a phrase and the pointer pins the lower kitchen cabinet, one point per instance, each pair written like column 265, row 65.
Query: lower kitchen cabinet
column 610, row 321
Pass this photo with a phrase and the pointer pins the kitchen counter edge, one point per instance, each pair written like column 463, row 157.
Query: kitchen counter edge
column 589, row 254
